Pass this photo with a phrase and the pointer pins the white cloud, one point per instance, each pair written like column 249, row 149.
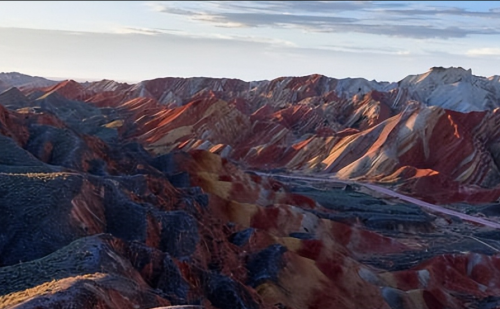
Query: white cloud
column 486, row 51
column 155, row 6
column 130, row 30
column 406, row 20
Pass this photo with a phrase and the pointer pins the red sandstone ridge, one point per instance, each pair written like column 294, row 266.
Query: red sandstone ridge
column 309, row 123
column 69, row 89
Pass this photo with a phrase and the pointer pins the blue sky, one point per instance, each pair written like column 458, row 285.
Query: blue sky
column 138, row 40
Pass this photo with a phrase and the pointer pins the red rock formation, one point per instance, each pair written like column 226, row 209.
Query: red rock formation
column 12, row 125
column 310, row 123
column 98, row 220
column 68, row 89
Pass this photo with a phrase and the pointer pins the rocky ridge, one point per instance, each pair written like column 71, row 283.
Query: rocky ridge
column 413, row 134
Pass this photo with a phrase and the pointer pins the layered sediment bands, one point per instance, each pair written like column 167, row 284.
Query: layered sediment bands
column 426, row 138
column 209, row 121
column 139, row 196
column 355, row 128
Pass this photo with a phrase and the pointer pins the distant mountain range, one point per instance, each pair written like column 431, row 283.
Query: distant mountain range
column 15, row 79
column 439, row 128
column 451, row 88
column 116, row 195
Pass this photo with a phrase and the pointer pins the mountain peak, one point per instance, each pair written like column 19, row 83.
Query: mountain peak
column 441, row 69
column 13, row 98
column 452, row 88
column 68, row 88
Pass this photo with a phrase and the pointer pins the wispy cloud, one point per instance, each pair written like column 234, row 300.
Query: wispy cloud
column 255, row 19
column 435, row 11
column 389, row 19
column 267, row 41
column 364, row 50
column 487, row 51
column 131, row 30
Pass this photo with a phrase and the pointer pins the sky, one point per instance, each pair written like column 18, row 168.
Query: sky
column 139, row 40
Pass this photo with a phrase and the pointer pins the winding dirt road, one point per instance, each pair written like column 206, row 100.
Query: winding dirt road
column 431, row 207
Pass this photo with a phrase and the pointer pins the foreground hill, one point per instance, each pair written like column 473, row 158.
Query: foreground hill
column 138, row 196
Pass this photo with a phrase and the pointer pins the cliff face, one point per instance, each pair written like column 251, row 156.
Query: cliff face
column 138, row 196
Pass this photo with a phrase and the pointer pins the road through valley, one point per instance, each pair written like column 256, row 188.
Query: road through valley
column 388, row 192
